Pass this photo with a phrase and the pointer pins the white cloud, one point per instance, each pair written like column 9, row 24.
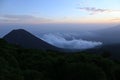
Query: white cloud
column 94, row 10
column 61, row 42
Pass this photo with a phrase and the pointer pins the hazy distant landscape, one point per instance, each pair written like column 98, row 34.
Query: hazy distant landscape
column 66, row 38
column 59, row 40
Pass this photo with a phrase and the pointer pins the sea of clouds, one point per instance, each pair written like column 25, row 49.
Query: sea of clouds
column 69, row 41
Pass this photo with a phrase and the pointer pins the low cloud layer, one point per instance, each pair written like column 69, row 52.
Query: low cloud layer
column 116, row 19
column 61, row 42
column 22, row 19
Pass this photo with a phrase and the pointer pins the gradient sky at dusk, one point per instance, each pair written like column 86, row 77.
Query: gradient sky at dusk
column 59, row 11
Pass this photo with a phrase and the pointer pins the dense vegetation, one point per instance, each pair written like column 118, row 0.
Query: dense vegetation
column 17, row 63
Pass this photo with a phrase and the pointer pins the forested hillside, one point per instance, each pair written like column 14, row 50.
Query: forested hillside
column 17, row 63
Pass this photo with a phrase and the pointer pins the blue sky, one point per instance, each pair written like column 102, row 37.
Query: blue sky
column 59, row 11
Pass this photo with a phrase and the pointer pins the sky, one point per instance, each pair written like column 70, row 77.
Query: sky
column 59, row 11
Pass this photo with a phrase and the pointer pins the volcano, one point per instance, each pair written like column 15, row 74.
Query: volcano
column 27, row 40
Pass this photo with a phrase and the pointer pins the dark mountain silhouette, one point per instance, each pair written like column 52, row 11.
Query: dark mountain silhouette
column 27, row 40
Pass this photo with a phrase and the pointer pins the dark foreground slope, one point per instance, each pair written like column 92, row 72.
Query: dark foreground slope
column 27, row 40
column 17, row 63
column 111, row 50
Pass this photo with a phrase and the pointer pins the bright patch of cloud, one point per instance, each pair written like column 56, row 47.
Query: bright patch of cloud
column 60, row 41
column 116, row 18
column 94, row 10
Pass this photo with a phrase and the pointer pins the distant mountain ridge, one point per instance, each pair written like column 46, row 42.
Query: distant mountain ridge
column 110, row 35
column 107, row 36
column 27, row 40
